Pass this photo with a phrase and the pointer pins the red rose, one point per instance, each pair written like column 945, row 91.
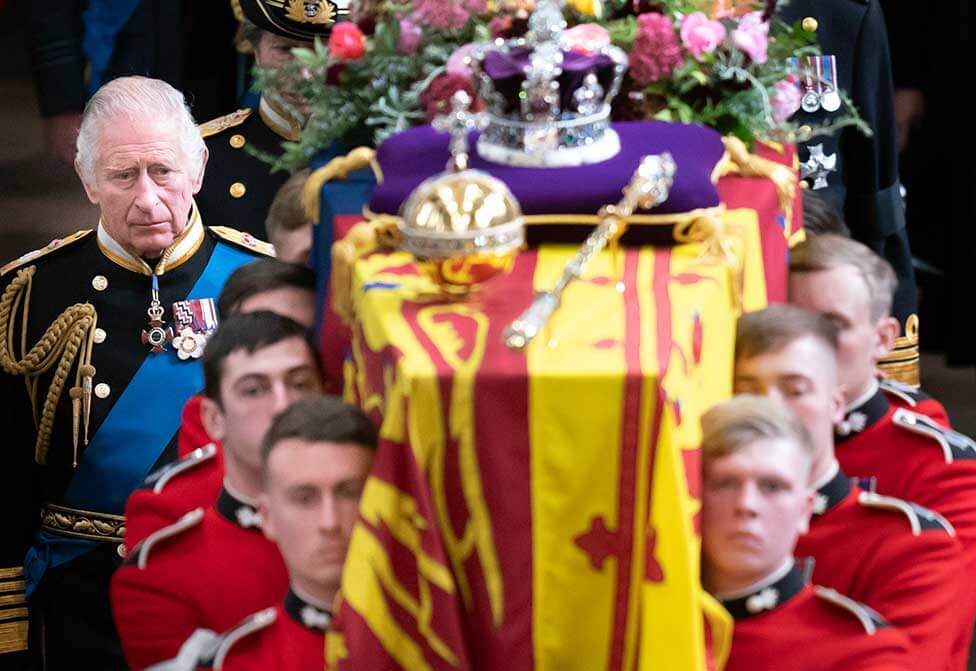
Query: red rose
column 346, row 42
column 436, row 99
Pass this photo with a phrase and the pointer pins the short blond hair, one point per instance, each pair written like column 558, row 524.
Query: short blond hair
column 286, row 213
column 776, row 326
column 828, row 252
column 744, row 419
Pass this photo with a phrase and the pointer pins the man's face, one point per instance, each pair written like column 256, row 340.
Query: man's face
column 298, row 304
column 294, row 246
column 754, row 504
column 272, row 51
column 254, row 388
column 803, row 375
column 310, row 505
column 144, row 184
column 841, row 296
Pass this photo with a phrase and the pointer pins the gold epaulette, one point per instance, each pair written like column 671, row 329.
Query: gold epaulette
column 222, row 123
column 54, row 245
column 242, row 239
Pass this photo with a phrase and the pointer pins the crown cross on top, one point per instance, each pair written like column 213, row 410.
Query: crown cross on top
column 459, row 122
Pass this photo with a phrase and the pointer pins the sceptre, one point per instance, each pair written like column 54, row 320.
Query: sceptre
column 649, row 186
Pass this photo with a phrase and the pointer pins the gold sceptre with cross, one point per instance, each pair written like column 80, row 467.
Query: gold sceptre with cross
column 649, row 186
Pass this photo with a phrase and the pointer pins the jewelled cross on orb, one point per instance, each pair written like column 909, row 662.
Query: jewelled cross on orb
column 459, row 122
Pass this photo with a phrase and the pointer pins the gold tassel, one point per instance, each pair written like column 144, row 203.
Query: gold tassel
column 337, row 168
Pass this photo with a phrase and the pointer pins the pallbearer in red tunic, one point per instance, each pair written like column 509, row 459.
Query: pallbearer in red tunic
column 195, row 478
column 757, row 457
column 214, row 566
column 898, row 558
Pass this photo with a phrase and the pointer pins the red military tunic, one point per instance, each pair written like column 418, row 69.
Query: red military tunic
column 915, row 458
column 904, row 396
column 789, row 625
column 208, row 571
column 290, row 636
column 901, row 560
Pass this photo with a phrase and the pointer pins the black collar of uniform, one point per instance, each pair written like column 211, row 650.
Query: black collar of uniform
column 863, row 416
column 238, row 512
column 768, row 597
column 306, row 614
column 832, row 493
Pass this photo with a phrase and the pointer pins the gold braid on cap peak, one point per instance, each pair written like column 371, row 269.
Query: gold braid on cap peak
column 69, row 337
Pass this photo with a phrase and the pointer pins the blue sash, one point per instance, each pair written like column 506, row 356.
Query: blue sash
column 347, row 196
column 103, row 20
column 134, row 434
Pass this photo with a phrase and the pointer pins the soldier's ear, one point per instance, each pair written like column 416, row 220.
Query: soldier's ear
column 267, row 524
column 198, row 178
column 213, row 419
column 92, row 196
column 804, row 524
column 887, row 330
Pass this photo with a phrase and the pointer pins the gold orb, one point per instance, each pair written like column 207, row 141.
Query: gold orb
column 464, row 228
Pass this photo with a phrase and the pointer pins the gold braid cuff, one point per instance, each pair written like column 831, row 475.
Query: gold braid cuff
column 13, row 611
column 69, row 337
column 83, row 523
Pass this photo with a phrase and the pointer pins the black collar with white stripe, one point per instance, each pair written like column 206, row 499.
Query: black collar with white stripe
column 768, row 597
column 306, row 614
column 238, row 512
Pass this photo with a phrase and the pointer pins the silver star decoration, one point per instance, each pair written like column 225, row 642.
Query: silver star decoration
column 818, row 166
column 248, row 517
column 315, row 618
column 764, row 600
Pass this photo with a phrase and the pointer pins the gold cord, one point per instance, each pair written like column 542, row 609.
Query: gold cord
column 57, row 348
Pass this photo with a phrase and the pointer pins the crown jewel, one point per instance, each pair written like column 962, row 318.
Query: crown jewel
column 546, row 105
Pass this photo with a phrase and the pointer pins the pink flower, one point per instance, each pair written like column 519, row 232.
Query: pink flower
column 786, row 100
column 656, row 50
column 436, row 98
column 586, row 38
column 410, row 35
column 752, row 36
column 460, row 61
column 346, row 41
column 446, row 14
column 701, row 35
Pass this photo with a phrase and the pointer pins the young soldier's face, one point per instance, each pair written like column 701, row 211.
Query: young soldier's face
column 841, row 296
column 803, row 375
column 755, row 502
column 310, row 505
column 144, row 184
column 256, row 386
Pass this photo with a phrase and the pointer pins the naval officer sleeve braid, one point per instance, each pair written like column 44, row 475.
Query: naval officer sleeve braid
column 57, row 348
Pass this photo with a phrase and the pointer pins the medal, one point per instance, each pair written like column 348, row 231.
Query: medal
column 156, row 334
column 831, row 98
column 810, row 102
column 194, row 320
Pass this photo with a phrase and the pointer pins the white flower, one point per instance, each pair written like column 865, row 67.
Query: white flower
column 189, row 344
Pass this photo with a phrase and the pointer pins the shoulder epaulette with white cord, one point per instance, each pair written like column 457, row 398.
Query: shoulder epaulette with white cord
column 159, row 478
column 948, row 439
column 53, row 246
column 243, row 239
column 189, row 520
column 919, row 517
column 250, row 625
column 905, row 392
column 222, row 123
column 869, row 618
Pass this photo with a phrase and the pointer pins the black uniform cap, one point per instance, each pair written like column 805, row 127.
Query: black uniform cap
column 297, row 19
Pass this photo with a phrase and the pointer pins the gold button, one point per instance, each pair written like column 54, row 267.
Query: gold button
column 804, row 184
column 99, row 336
column 120, row 550
column 237, row 190
column 237, row 141
column 102, row 390
column 100, row 283
column 810, row 24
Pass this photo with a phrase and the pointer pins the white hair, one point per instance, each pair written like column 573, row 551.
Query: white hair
column 136, row 99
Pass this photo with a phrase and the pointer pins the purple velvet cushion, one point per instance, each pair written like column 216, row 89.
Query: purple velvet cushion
column 412, row 156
